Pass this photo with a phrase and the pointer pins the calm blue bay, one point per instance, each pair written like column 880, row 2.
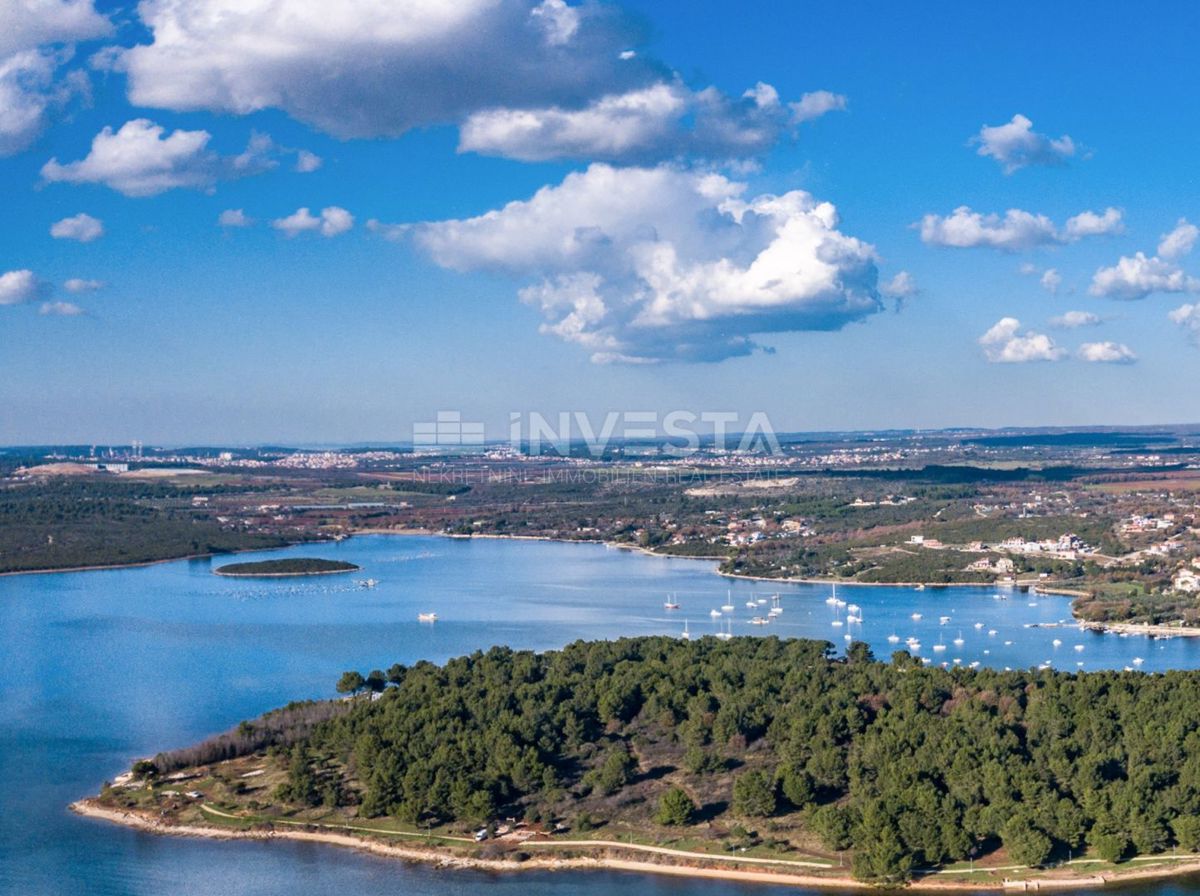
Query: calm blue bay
column 101, row 667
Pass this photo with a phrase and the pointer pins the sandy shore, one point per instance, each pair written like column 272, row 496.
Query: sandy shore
column 945, row 881
column 1140, row 628
column 141, row 822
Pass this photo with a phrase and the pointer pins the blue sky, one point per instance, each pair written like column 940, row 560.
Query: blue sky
column 683, row 253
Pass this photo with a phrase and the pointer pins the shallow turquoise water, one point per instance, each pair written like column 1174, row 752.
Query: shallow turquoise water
column 101, row 667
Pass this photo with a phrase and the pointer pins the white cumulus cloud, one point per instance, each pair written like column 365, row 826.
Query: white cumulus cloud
column 307, row 162
column 36, row 46
column 1137, row 276
column 1178, row 242
column 18, row 287
column 664, row 263
column 60, row 309
column 331, row 222
column 901, row 286
column 966, row 229
column 1089, row 223
column 32, row 23
column 1015, row 231
column 234, row 217
column 365, row 68
column 1004, row 343
column 661, row 120
column 82, row 227
column 79, row 284
column 1051, row 279
column 142, row 159
column 1106, row 353
column 815, row 104
column 526, row 79
column 1073, row 320
column 1188, row 317
column 1017, row 145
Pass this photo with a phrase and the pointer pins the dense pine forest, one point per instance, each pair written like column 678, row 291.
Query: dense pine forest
column 61, row 524
column 906, row 766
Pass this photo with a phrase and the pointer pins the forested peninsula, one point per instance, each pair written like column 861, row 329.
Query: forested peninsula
column 758, row 749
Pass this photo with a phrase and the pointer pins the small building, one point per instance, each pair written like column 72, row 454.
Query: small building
column 1187, row 580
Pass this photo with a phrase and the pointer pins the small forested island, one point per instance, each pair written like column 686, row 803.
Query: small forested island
column 752, row 757
column 291, row 566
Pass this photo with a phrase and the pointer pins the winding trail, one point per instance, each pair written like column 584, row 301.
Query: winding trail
column 539, row 844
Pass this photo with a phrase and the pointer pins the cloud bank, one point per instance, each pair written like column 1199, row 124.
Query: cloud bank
column 526, row 80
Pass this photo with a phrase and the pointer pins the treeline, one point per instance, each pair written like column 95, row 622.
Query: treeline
column 279, row 728
column 56, row 525
column 908, row 767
